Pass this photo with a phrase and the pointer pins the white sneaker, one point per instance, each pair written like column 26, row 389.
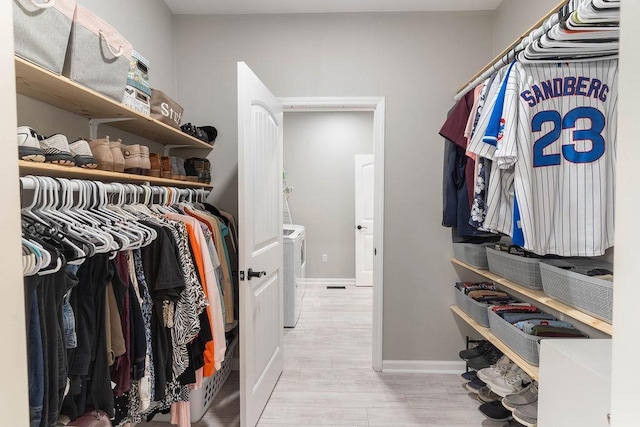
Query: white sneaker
column 501, row 367
column 82, row 154
column 28, row 145
column 56, row 150
column 511, row 383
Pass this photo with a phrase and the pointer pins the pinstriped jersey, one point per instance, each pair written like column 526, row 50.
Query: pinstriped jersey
column 560, row 136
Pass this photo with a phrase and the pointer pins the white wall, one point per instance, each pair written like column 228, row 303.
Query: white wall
column 148, row 25
column 416, row 61
column 14, row 403
column 319, row 150
column 625, row 392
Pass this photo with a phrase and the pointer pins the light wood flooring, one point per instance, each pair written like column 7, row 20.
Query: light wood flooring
column 328, row 380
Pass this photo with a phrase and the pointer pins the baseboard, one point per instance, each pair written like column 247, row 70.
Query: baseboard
column 330, row 282
column 423, row 366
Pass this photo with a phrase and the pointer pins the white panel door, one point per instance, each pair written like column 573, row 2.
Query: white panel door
column 364, row 219
column 260, row 241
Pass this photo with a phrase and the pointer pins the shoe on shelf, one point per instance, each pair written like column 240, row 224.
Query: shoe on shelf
column 527, row 415
column 207, row 171
column 485, row 395
column 132, row 159
column 526, row 396
column 468, row 376
column 512, row 382
column 495, row 411
column 116, row 148
column 28, row 145
column 56, row 150
column 175, row 174
column 82, row 154
column 145, row 159
column 165, row 162
column 501, row 367
column 475, row 385
column 485, row 360
column 476, row 351
column 102, row 153
column 181, row 170
column 154, row 165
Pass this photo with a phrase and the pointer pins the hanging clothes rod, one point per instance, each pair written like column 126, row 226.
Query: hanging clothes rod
column 508, row 55
column 30, row 183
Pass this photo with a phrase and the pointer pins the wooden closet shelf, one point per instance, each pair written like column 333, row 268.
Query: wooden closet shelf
column 43, row 85
column 489, row 336
column 542, row 298
column 72, row 172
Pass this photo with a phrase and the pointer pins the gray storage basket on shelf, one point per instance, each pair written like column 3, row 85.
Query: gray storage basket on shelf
column 476, row 310
column 524, row 271
column 525, row 345
column 41, row 31
column 472, row 254
column 98, row 57
column 573, row 287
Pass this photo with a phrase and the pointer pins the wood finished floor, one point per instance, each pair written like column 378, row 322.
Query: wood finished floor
column 328, row 380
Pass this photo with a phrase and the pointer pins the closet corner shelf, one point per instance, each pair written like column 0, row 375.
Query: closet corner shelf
column 43, row 85
column 489, row 336
column 72, row 172
column 542, row 298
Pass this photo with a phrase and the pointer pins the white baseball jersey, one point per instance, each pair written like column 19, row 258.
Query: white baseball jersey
column 560, row 127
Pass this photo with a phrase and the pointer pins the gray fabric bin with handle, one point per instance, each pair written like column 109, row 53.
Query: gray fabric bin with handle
column 41, row 30
column 98, row 56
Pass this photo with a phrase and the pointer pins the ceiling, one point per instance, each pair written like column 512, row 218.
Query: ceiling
column 200, row 7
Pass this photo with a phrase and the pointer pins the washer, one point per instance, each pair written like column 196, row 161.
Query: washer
column 295, row 248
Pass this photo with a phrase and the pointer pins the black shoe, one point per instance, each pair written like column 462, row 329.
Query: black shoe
column 485, row 360
column 475, row 385
column 476, row 351
column 495, row 411
column 469, row 376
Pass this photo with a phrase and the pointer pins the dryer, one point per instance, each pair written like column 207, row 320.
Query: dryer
column 295, row 248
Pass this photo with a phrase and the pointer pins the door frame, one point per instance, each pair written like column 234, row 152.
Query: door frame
column 375, row 104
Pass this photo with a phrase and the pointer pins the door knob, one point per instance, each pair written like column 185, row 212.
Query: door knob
column 258, row 274
column 361, row 227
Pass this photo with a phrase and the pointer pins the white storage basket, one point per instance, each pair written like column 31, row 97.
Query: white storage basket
column 573, row 287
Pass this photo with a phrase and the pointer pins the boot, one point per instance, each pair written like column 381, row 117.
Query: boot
column 207, row 171
column 154, row 165
column 181, row 170
column 175, row 174
column 146, row 161
column 132, row 159
column 165, row 163
column 190, row 170
column 102, row 153
column 118, row 158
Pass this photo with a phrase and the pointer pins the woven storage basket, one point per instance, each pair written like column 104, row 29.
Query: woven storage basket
column 575, row 288
column 525, row 271
column 476, row 310
column 525, row 345
column 472, row 254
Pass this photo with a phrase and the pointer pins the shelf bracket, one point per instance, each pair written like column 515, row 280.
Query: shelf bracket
column 168, row 148
column 94, row 123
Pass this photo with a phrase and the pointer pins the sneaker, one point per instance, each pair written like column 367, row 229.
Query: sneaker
column 485, row 395
column 485, row 360
column 28, row 145
column 476, row 351
column 82, row 155
column 526, row 396
column 512, row 382
column 474, row 385
column 501, row 367
column 56, row 150
column 468, row 376
column 495, row 411
column 527, row 415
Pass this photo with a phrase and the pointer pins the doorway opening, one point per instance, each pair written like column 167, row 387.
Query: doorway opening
column 375, row 105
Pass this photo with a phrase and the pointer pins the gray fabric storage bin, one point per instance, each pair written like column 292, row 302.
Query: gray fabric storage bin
column 476, row 310
column 98, row 56
column 41, row 31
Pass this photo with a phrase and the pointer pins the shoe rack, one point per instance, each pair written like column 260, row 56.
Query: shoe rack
column 43, row 85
